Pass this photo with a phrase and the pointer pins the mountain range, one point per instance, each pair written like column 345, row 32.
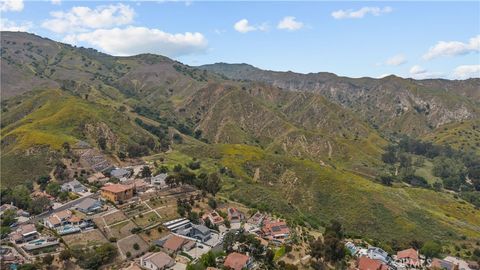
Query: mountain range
column 304, row 146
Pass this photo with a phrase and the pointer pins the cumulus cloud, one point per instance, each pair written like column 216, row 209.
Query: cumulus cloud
column 11, row 5
column 466, row 71
column 453, row 48
column 136, row 40
column 8, row 25
column 79, row 19
column 396, row 60
column 420, row 73
column 290, row 23
column 243, row 26
column 360, row 13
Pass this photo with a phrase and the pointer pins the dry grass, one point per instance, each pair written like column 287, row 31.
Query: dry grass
column 126, row 245
column 86, row 239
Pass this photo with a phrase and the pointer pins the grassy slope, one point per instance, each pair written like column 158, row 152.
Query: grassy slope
column 464, row 135
column 309, row 193
column 45, row 121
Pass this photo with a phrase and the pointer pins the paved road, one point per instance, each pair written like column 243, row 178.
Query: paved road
column 67, row 205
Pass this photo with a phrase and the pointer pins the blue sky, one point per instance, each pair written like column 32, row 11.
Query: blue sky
column 409, row 39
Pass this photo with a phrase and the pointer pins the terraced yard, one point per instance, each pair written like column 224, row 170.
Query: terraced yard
column 146, row 220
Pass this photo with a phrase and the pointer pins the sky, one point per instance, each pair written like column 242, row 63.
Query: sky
column 356, row 39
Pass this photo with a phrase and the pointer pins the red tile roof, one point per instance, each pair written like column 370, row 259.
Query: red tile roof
column 365, row 263
column 408, row 254
column 174, row 243
column 236, row 261
column 116, row 188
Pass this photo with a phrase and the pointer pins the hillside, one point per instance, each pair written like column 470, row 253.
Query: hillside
column 309, row 155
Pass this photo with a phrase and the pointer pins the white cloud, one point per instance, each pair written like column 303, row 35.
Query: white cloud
column 56, row 2
column 11, row 5
column 84, row 18
column 466, row 71
column 417, row 70
column 290, row 23
column 8, row 25
column 420, row 73
column 396, row 60
column 136, row 40
column 453, row 48
column 243, row 26
column 360, row 13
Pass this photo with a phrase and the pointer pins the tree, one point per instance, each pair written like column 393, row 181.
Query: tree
column 21, row 197
column 66, row 147
column 39, row 205
column 431, row 249
column 212, row 203
column 53, row 189
column 386, row 180
column 228, row 240
column 48, row 259
column 317, row 249
column 42, row 181
column 9, row 217
column 213, row 184
column 389, row 157
column 136, row 246
column 146, row 172
column 102, row 143
column 208, row 259
column 65, row 255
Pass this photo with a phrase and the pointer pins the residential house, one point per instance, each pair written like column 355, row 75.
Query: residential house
column 156, row 261
column 235, row 216
column 366, row 263
column 199, row 232
column 97, row 177
column 178, row 224
column 117, row 193
column 89, row 206
column 60, row 219
column 158, row 181
column 443, row 265
column 74, row 186
column 19, row 212
column 408, row 257
column 139, row 184
column 257, row 219
column 237, row 261
column 174, row 243
column 462, row 264
column 214, row 218
column 376, row 253
column 24, row 233
column 276, row 231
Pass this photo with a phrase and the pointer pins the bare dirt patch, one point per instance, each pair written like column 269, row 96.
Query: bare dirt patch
column 86, row 239
column 114, row 217
column 121, row 230
column 127, row 245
